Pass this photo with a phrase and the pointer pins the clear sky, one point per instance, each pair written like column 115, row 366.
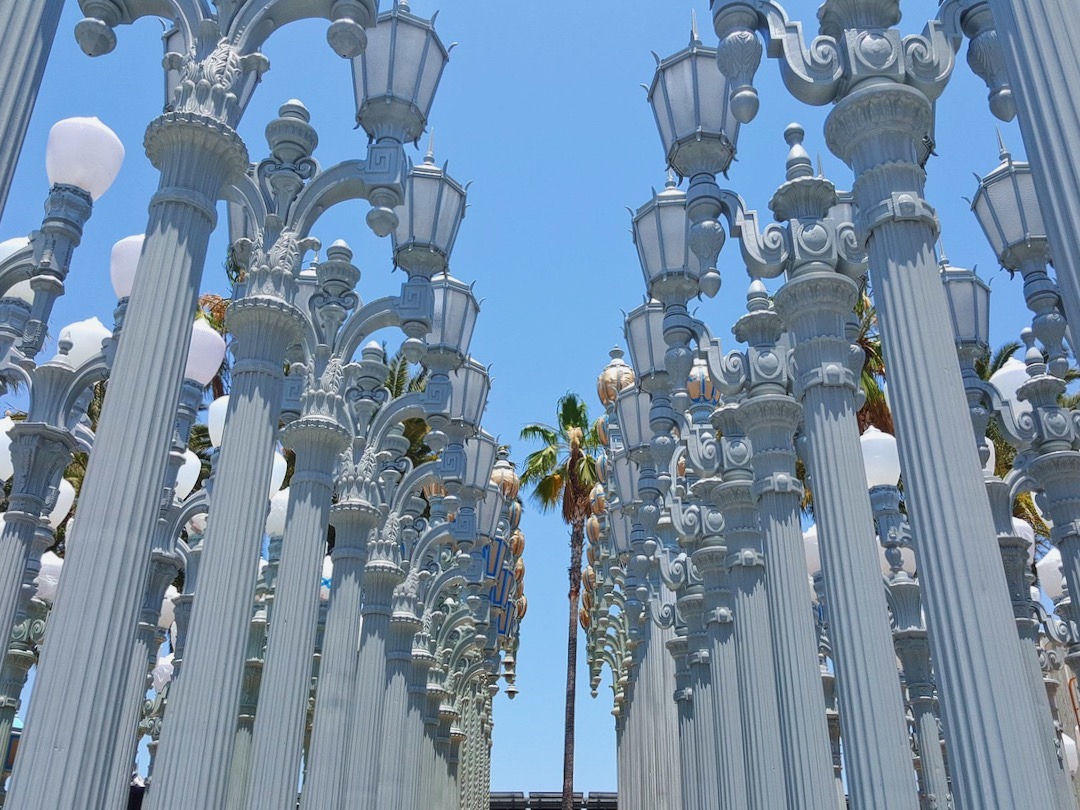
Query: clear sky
column 541, row 107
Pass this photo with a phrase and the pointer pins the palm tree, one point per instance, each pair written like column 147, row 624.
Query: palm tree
column 562, row 474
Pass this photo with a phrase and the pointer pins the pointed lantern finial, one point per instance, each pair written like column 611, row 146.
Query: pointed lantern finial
column 798, row 159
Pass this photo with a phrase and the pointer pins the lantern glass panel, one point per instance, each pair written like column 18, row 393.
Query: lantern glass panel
column 632, row 409
column 469, row 387
column 661, row 233
column 455, row 315
column 625, row 475
column 969, row 304
column 488, row 512
column 644, row 331
column 480, row 452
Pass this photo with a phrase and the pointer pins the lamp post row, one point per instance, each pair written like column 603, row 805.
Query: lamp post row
column 210, row 81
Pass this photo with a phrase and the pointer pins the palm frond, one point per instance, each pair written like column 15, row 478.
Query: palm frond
column 540, row 432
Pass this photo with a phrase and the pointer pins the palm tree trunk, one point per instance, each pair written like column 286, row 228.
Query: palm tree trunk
column 577, row 537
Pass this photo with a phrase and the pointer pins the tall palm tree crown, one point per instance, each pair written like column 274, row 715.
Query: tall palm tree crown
column 562, row 474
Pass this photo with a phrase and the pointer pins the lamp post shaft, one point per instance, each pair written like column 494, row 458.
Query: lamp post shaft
column 198, row 735
column 753, row 644
column 815, row 308
column 279, row 731
column 41, row 454
column 994, row 745
column 804, row 734
column 368, row 708
column 1039, row 47
column 913, row 650
column 29, row 30
column 650, row 736
column 62, row 762
column 684, row 701
column 337, row 671
column 393, row 782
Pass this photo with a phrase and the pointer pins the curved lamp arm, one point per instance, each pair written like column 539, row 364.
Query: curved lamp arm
column 813, row 75
column 764, row 250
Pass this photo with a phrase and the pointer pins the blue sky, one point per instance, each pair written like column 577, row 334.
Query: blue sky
column 541, row 107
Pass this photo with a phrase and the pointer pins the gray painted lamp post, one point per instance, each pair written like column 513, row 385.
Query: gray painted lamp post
column 213, row 67
column 1011, row 44
column 910, row 639
column 969, row 305
column 884, row 87
column 819, row 254
column 31, row 28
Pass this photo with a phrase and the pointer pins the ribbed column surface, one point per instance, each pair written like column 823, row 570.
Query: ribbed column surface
column 392, row 785
column 143, row 659
column 327, row 754
column 369, row 699
column 198, row 736
column 804, row 731
column 73, row 728
column 279, row 733
column 1038, row 39
column 877, row 756
column 651, row 758
column 995, row 751
column 760, row 715
column 29, row 29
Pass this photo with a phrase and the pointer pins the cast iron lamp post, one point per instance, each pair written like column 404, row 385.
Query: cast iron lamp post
column 1010, row 41
column 32, row 27
column 1042, row 433
column 884, row 87
column 212, row 66
column 882, row 463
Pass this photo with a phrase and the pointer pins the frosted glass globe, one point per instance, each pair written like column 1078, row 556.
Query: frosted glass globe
column 48, row 578
column 188, row 475
column 881, row 458
column 812, row 551
column 65, row 499
column 168, row 608
column 1007, row 380
column 275, row 519
column 123, row 262
column 85, row 153
column 215, row 419
column 205, row 353
column 86, row 338
column 1051, row 575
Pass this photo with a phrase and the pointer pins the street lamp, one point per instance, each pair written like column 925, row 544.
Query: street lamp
column 397, row 74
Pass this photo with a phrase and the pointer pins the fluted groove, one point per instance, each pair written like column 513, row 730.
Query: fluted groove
column 994, row 745
column 327, row 754
column 1038, row 39
column 877, row 753
column 198, row 736
column 279, row 734
column 649, row 742
column 62, row 761
column 368, row 704
column 392, row 785
column 760, row 713
column 804, row 732
column 29, row 29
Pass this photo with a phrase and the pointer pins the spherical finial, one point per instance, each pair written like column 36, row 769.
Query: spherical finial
column 794, row 134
